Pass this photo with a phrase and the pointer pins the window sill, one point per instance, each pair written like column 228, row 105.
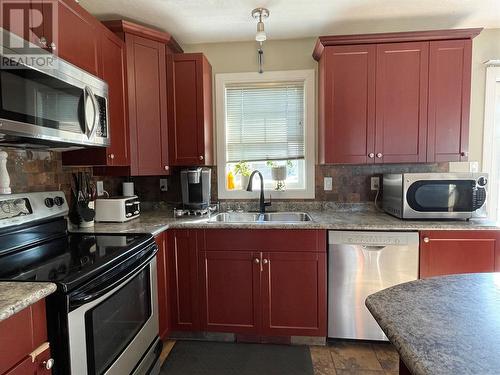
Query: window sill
column 287, row 194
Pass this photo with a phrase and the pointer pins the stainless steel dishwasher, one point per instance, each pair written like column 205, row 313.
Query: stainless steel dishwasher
column 359, row 264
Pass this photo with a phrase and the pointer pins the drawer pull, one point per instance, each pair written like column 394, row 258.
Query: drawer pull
column 48, row 364
column 426, row 239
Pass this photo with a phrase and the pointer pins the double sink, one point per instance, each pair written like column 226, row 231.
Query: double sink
column 249, row 217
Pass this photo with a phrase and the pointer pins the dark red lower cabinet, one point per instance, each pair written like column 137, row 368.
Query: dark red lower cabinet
column 231, row 291
column 162, row 272
column 294, row 294
column 24, row 349
column 184, row 280
column 455, row 252
column 266, row 293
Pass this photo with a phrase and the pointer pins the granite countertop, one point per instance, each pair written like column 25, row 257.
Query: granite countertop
column 17, row 295
column 443, row 325
column 157, row 221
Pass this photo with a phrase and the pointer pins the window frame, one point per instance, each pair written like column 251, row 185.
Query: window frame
column 492, row 77
column 307, row 76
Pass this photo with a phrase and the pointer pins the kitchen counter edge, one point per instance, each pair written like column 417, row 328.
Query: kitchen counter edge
column 17, row 295
column 156, row 222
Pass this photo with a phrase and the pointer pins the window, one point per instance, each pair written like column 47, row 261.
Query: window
column 491, row 144
column 265, row 122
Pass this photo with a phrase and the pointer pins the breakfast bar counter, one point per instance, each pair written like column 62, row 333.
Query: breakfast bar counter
column 443, row 325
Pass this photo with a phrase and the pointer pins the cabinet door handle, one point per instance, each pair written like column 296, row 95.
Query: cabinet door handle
column 48, row 364
column 111, row 156
column 256, row 260
column 426, row 239
column 379, row 155
column 371, row 155
column 52, row 46
column 166, row 167
column 463, row 153
column 265, row 261
column 201, row 157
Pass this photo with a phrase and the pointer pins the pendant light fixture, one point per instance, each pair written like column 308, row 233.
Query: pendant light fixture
column 260, row 36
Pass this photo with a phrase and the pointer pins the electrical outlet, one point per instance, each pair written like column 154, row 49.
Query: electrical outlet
column 100, row 188
column 328, row 183
column 375, row 182
column 163, row 184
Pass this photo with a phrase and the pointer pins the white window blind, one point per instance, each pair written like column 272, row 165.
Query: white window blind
column 265, row 121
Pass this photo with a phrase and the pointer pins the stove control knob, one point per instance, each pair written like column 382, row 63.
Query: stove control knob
column 482, row 181
column 59, row 201
column 49, row 202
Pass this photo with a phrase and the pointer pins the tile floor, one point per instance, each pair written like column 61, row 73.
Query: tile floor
column 352, row 358
column 343, row 358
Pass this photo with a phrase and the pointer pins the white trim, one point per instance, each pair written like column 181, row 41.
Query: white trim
column 221, row 80
column 492, row 77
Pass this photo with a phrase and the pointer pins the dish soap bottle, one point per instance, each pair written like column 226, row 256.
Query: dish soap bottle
column 230, row 181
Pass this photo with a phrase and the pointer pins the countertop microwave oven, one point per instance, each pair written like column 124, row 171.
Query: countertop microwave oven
column 435, row 195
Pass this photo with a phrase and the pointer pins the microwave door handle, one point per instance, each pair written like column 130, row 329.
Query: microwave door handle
column 86, row 97
column 95, row 119
column 89, row 95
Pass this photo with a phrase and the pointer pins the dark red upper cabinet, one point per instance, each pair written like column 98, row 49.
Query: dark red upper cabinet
column 347, row 105
column 78, row 36
column 113, row 72
column 401, row 109
column 16, row 22
column 419, row 108
column 190, row 109
column 147, row 105
column 449, row 100
column 146, row 96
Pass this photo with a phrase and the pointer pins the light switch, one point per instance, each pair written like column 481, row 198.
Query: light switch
column 328, row 183
column 100, row 188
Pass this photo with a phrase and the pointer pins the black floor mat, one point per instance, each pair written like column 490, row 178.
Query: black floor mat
column 215, row 358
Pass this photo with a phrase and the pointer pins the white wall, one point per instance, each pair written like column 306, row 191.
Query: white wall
column 296, row 54
column 486, row 46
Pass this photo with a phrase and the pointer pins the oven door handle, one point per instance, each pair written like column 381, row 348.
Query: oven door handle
column 86, row 296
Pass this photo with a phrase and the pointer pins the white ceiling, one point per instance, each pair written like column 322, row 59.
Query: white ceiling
column 200, row 21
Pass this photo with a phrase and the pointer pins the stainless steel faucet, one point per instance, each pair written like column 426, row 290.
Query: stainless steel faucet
column 263, row 204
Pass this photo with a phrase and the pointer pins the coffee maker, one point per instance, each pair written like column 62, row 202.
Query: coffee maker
column 195, row 184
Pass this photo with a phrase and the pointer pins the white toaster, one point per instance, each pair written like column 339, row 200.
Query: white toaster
column 117, row 209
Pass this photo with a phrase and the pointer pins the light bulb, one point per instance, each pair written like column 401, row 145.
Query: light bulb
column 261, row 34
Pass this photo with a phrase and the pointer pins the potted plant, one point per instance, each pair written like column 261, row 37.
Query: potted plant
column 243, row 170
column 279, row 173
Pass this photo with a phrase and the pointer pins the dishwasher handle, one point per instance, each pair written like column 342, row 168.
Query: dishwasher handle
column 373, row 247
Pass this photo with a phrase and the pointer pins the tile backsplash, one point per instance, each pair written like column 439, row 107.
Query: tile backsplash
column 351, row 183
column 34, row 170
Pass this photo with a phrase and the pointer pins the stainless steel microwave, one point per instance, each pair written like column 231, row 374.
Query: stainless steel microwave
column 57, row 108
column 435, row 195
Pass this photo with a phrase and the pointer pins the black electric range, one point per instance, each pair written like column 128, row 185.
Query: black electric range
column 103, row 317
